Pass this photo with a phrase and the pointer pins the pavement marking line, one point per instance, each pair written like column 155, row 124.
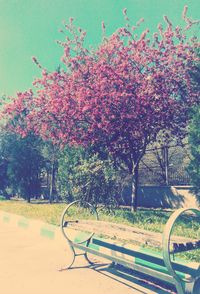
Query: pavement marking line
column 46, row 232
column 41, row 228
column 6, row 218
column 23, row 223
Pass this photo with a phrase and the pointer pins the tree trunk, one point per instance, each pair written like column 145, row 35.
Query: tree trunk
column 134, row 186
column 51, row 183
column 54, row 182
column 28, row 199
column 53, row 175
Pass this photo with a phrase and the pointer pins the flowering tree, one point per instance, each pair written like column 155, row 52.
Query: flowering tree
column 121, row 95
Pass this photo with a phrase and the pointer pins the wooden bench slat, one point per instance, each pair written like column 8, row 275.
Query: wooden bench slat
column 124, row 232
column 183, row 247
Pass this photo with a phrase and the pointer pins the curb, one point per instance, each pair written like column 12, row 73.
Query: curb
column 45, row 230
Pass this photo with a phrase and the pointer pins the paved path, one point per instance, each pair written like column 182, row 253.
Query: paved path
column 29, row 263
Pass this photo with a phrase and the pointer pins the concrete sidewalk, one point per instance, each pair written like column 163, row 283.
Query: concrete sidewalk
column 31, row 253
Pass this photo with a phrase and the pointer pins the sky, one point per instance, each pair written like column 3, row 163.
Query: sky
column 31, row 27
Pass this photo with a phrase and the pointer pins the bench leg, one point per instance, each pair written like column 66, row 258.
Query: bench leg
column 86, row 255
column 73, row 258
column 88, row 260
column 74, row 254
column 193, row 287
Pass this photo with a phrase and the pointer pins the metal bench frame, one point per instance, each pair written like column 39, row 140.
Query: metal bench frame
column 191, row 284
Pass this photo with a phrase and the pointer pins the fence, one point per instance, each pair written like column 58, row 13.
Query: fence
column 165, row 166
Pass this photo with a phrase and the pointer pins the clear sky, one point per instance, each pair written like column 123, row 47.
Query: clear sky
column 30, row 27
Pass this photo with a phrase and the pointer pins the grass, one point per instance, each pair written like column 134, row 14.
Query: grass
column 152, row 220
column 49, row 213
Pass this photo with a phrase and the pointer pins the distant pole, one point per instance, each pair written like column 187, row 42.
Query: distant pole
column 166, row 158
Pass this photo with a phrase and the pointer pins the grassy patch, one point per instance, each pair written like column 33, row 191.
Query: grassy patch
column 49, row 213
column 2, row 198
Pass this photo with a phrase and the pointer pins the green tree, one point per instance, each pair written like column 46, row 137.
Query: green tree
column 194, row 135
column 24, row 165
column 3, row 169
column 68, row 159
column 82, row 174
column 50, row 153
column 194, row 140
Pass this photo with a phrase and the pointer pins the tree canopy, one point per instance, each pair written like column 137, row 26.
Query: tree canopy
column 120, row 95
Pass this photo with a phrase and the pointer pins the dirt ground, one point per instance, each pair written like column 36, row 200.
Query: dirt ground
column 30, row 261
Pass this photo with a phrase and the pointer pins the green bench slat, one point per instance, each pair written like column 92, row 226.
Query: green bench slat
column 146, row 255
column 156, row 267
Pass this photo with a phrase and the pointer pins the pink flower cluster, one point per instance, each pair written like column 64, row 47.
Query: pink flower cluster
column 120, row 95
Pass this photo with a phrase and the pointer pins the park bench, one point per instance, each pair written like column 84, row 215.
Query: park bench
column 161, row 266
